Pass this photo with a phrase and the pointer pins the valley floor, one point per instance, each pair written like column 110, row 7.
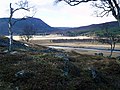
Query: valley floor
column 74, row 45
column 48, row 41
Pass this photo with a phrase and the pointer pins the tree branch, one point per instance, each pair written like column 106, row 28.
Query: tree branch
column 74, row 2
column 21, row 8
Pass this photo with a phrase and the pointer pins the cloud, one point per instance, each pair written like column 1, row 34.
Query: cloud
column 58, row 15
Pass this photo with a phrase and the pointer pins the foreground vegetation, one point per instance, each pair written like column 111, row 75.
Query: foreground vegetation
column 41, row 68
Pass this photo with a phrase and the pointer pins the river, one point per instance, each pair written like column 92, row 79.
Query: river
column 88, row 50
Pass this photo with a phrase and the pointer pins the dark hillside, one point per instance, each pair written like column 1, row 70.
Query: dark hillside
column 99, row 26
column 88, row 29
column 41, row 27
column 37, row 24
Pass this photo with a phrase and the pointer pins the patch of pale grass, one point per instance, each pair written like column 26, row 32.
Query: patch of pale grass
column 80, row 44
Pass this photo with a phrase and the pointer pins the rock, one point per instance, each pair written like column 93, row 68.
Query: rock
column 98, row 54
column 97, row 76
column 118, row 57
column 23, row 74
column 14, row 52
column 6, row 51
column 94, row 73
column 60, row 55
column 26, row 45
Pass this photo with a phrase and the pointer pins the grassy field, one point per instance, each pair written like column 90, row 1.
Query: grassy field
column 80, row 44
column 47, row 41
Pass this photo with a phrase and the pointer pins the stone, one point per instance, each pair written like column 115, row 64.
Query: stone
column 98, row 54
column 23, row 74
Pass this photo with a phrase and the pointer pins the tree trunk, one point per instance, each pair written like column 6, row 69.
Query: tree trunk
column 10, row 38
column 10, row 23
column 111, row 50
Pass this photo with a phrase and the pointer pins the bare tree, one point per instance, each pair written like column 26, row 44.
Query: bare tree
column 106, row 6
column 22, row 5
column 108, row 38
column 28, row 32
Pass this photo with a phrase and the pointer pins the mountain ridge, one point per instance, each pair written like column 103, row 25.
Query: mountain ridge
column 112, row 23
column 89, row 28
column 38, row 24
column 42, row 27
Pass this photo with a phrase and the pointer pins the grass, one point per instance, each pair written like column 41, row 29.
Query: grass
column 46, row 71
column 81, row 45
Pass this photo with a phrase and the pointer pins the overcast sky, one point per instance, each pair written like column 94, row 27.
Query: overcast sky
column 60, row 15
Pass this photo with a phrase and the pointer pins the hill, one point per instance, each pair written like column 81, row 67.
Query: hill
column 37, row 24
column 41, row 27
column 98, row 26
column 88, row 29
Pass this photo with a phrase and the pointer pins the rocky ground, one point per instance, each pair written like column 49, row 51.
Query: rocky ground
column 35, row 67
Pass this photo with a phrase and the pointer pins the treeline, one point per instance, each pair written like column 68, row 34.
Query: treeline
column 98, row 31
column 72, row 40
column 82, row 40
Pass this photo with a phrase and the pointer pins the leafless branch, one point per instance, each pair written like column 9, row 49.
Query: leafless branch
column 107, row 6
column 74, row 2
column 21, row 8
column 105, row 9
column 22, row 3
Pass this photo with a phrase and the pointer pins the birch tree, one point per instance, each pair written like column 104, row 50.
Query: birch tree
column 21, row 5
column 110, row 38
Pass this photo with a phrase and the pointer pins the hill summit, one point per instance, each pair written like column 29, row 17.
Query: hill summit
column 36, row 23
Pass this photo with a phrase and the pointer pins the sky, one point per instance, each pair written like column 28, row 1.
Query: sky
column 57, row 15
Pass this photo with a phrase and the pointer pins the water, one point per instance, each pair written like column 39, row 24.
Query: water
column 80, row 48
